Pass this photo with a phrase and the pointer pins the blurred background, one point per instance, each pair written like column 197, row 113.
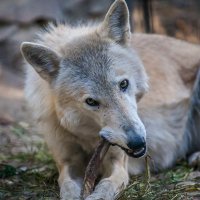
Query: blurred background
column 21, row 19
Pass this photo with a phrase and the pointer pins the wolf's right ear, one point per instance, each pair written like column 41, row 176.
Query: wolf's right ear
column 116, row 24
column 43, row 59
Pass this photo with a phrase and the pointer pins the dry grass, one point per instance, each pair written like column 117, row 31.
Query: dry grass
column 35, row 177
column 181, row 182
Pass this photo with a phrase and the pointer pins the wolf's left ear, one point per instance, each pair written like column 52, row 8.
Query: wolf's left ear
column 116, row 23
column 44, row 60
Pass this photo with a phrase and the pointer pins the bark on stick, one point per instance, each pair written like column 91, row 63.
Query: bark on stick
column 92, row 169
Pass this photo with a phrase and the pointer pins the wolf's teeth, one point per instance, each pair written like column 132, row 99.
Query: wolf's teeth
column 139, row 151
column 130, row 151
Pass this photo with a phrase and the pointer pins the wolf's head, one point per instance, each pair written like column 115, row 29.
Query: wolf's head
column 97, row 75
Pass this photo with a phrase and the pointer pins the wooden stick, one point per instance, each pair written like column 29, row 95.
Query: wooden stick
column 92, row 169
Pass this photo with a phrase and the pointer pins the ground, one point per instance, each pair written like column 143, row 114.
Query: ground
column 27, row 171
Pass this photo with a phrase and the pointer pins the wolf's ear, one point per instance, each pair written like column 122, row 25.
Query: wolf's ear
column 44, row 60
column 116, row 23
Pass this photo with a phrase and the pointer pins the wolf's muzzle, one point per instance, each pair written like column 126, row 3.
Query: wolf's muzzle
column 136, row 144
column 132, row 143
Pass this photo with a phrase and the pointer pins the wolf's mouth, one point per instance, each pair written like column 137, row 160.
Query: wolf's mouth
column 136, row 153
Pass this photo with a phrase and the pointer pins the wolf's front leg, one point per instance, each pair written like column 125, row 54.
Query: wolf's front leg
column 71, row 171
column 107, row 188
column 69, row 188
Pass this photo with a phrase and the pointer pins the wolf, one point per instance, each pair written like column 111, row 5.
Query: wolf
column 139, row 92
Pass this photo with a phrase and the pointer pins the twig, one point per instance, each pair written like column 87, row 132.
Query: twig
column 91, row 172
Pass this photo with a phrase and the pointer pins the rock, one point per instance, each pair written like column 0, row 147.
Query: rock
column 99, row 8
column 10, row 55
column 195, row 175
column 27, row 11
column 5, row 120
column 7, row 31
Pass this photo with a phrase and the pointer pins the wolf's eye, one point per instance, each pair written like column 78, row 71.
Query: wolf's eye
column 124, row 85
column 92, row 102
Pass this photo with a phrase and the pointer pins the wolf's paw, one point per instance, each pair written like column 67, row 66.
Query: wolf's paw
column 70, row 190
column 103, row 191
column 194, row 159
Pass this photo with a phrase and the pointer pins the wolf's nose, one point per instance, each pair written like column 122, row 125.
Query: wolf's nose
column 135, row 141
